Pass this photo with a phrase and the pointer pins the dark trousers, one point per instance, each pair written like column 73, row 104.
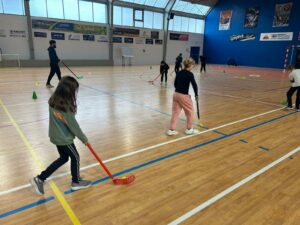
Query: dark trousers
column 289, row 95
column 54, row 69
column 177, row 68
column 203, row 67
column 64, row 153
column 164, row 74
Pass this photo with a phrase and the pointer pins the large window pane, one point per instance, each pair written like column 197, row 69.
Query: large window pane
column 71, row 9
column 138, row 24
column 171, row 24
column 127, row 17
column 13, row 7
column 200, row 26
column 177, row 23
column 1, row 8
column 55, row 9
column 184, row 24
column 158, row 21
column 38, row 8
column 117, row 15
column 138, row 14
column 99, row 13
column 192, row 25
column 85, row 11
column 148, row 19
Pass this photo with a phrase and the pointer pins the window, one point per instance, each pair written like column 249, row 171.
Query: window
column 177, row 23
column 154, row 3
column 86, row 11
column 55, row 9
column 99, row 13
column 13, row 7
column 127, row 16
column 148, row 19
column 138, row 15
column 117, row 20
column 158, row 21
column 200, row 26
column 71, row 9
column 38, row 8
column 186, row 24
column 183, row 6
column 1, row 8
column 192, row 25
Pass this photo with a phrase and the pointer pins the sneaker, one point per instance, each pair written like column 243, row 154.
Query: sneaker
column 172, row 132
column 82, row 184
column 297, row 110
column 49, row 86
column 38, row 185
column 192, row 131
column 288, row 107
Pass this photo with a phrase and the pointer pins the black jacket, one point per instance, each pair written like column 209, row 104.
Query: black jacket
column 164, row 68
column 53, row 56
column 183, row 80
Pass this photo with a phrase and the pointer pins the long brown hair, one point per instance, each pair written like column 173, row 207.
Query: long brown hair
column 64, row 97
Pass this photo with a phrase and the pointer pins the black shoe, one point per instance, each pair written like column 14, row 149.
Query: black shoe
column 38, row 185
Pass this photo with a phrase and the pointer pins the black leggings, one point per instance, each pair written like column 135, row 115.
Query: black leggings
column 54, row 69
column 177, row 67
column 164, row 74
column 203, row 67
column 65, row 152
column 289, row 95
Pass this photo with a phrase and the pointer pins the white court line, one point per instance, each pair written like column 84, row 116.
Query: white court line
column 232, row 188
column 146, row 149
column 238, row 97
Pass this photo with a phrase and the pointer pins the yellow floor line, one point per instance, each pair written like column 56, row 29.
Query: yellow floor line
column 38, row 162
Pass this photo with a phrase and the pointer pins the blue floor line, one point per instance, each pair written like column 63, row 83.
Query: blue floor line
column 264, row 148
column 150, row 162
column 244, row 141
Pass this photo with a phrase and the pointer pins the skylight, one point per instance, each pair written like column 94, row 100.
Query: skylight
column 188, row 7
column 154, row 3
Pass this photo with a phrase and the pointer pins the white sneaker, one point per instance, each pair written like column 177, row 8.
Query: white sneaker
column 172, row 132
column 192, row 131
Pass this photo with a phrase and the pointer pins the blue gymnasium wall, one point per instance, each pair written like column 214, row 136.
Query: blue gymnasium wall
column 271, row 54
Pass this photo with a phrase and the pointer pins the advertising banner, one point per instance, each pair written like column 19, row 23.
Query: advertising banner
column 242, row 37
column 225, row 20
column 288, row 36
column 251, row 17
column 57, row 36
column 179, row 37
column 40, row 34
column 282, row 15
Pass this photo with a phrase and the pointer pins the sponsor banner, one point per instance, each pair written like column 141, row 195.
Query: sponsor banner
column 102, row 38
column 74, row 37
column 117, row 39
column 2, row 33
column 288, row 36
column 282, row 15
column 179, row 37
column 225, row 20
column 128, row 40
column 145, row 34
column 17, row 33
column 158, row 42
column 89, row 37
column 126, row 32
column 69, row 27
column 57, row 36
column 242, row 37
column 154, row 34
column 149, row 41
column 251, row 17
column 40, row 34
column 139, row 40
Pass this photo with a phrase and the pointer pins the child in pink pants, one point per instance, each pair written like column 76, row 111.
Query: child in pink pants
column 182, row 99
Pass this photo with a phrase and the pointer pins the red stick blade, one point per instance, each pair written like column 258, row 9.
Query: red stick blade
column 124, row 180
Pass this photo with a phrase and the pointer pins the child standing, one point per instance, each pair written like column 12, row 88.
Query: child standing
column 294, row 77
column 54, row 60
column 164, row 67
column 63, row 128
column 182, row 99
column 178, row 63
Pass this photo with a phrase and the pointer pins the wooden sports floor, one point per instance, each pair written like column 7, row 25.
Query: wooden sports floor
column 243, row 168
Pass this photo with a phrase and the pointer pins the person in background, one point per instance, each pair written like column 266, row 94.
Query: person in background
column 164, row 67
column 294, row 78
column 178, row 63
column 203, row 64
column 54, row 60
column 182, row 99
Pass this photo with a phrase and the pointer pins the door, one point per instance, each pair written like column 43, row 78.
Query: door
column 297, row 65
column 195, row 53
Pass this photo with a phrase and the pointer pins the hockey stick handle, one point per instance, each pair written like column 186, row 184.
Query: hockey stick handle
column 100, row 161
column 69, row 69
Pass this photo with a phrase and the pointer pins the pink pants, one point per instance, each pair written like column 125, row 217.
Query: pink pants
column 181, row 101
